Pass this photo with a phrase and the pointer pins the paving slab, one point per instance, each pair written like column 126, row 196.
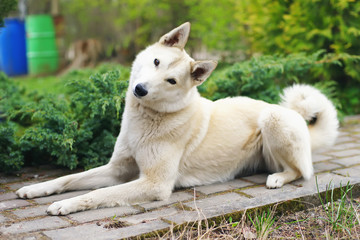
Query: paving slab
column 257, row 178
column 17, row 185
column 262, row 191
column 3, row 219
column 31, row 211
column 142, row 228
column 222, row 187
column 7, row 196
column 26, row 219
column 98, row 214
column 174, row 198
column 346, row 145
column 346, row 139
column 353, row 172
column 93, row 231
column 186, row 217
column 216, row 205
column 325, row 166
column 325, row 181
column 7, row 178
column 86, row 231
column 149, row 216
column 349, row 161
column 319, row 157
column 345, row 153
column 10, row 204
column 34, row 225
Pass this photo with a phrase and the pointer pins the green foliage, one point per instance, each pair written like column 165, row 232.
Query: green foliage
column 307, row 26
column 263, row 222
column 11, row 157
column 297, row 26
column 264, row 77
column 6, row 6
column 10, row 97
column 73, row 130
column 233, row 224
column 339, row 214
column 213, row 24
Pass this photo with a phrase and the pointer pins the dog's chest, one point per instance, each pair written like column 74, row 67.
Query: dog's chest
column 144, row 130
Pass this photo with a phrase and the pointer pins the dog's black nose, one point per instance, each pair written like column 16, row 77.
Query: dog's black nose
column 140, row 91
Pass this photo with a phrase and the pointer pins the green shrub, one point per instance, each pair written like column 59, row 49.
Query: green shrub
column 300, row 26
column 264, row 77
column 11, row 158
column 73, row 130
column 273, row 27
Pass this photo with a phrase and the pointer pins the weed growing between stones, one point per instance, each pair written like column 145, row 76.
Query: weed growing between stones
column 115, row 223
column 340, row 214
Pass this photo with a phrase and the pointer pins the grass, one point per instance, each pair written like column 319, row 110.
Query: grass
column 56, row 84
column 339, row 213
column 47, row 84
column 335, row 218
column 263, row 222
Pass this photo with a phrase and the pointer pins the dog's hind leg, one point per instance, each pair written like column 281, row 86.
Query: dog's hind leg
column 121, row 168
column 286, row 146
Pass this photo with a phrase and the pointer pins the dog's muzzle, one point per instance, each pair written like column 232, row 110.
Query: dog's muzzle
column 140, row 91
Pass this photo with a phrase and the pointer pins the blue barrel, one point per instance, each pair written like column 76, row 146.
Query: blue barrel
column 13, row 47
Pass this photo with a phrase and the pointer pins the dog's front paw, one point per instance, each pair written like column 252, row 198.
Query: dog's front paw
column 36, row 190
column 63, row 207
column 274, row 181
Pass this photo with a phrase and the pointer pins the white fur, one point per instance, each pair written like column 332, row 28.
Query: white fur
column 171, row 137
column 308, row 102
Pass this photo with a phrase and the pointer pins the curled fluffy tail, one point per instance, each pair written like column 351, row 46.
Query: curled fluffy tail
column 317, row 110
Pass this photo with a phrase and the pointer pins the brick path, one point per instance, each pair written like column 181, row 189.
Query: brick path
column 26, row 219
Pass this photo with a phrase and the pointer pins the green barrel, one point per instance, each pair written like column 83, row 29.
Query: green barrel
column 42, row 53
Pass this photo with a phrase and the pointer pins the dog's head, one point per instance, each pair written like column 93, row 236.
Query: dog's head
column 164, row 77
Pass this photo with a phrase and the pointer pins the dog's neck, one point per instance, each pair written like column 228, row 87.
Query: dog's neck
column 160, row 109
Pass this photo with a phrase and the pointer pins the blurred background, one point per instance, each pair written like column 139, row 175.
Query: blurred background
column 65, row 65
column 228, row 30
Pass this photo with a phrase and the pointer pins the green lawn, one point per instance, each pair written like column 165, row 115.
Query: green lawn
column 47, row 84
column 56, row 84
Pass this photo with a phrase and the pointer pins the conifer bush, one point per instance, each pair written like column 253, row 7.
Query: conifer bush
column 75, row 130
column 264, row 77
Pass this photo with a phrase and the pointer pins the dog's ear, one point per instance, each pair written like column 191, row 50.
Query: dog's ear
column 177, row 37
column 201, row 70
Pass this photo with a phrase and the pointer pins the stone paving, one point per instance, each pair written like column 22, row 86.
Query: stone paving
column 26, row 219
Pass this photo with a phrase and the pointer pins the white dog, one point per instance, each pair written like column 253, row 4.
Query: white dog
column 171, row 137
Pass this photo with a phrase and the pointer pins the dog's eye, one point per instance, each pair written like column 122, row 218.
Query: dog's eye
column 171, row 81
column 156, row 62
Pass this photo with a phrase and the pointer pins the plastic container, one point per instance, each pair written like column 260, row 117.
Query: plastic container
column 42, row 54
column 13, row 47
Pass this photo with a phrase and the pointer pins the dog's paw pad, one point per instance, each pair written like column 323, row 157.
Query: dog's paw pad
column 274, row 181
